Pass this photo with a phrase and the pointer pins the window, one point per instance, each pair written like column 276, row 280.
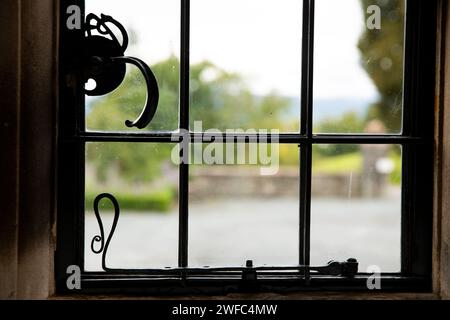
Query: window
column 329, row 213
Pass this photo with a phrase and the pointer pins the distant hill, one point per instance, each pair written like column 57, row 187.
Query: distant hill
column 323, row 108
column 328, row 108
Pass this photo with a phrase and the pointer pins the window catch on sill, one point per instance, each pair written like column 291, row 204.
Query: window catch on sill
column 249, row 273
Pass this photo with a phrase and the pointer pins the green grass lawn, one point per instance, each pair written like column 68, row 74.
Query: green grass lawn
column 352, row 162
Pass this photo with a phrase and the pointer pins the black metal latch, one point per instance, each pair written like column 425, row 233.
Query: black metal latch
column 348, row 269
column 105, row 62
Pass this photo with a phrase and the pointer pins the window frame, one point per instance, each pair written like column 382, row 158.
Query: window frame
column 416, row 139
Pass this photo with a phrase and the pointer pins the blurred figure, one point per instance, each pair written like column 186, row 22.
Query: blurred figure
column 376, row 165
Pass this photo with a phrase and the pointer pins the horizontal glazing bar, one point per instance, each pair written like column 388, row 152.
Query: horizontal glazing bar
column 248, row 138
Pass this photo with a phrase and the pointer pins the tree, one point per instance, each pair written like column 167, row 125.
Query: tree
column 382, row 58
column 348, row 122
column 222, row 100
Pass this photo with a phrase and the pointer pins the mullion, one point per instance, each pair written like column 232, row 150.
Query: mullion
column 184, row 125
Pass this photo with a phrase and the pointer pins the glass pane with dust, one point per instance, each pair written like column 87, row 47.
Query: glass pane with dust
column 144, row 181
column 245, row 68
column 241, row 212
column 356, row 205
column 358, row 66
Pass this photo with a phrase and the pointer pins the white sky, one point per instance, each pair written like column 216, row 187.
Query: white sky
column 260, row 39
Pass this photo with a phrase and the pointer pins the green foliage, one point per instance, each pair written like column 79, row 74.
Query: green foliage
column 289, row 155
column 382, row 58
column 396, row 175
column 347, row 123
column 220, row 99
column 160, row 201
column 134, row 162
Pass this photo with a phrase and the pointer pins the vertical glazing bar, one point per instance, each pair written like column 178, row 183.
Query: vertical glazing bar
column 184, row 125
column 81, row 127
column 306, row 129
column 305, row 203
column 409, row 70
column 305, row 67
column 418, row 121
column 409, row 98
column 71, row 152
column 310, row 71
column 303, row 126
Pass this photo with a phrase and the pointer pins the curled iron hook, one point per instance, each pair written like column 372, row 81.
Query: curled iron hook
column 151, row 103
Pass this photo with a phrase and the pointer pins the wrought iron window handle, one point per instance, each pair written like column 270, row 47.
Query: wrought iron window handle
column 104, row 62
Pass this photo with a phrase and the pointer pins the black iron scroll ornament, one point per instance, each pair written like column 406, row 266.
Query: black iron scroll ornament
column 104, row 245
column 105, row 63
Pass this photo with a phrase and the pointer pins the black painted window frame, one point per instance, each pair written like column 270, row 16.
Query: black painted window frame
column 416, row 139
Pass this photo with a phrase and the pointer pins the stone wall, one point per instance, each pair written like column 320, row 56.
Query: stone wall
column 247, row 182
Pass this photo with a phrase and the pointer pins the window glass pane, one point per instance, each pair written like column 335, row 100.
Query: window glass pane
column 246, row 64
column 236, row 213
column 145, row 183
column 358, row 65
column 153, row 28
column 356, row 205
